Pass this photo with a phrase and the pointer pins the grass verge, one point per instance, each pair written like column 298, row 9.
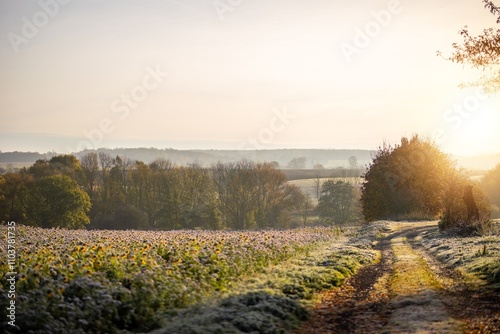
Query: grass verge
column 477, row 258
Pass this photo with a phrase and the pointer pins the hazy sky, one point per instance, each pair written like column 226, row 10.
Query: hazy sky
column 231, row 74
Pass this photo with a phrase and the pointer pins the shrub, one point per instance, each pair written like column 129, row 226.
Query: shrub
column 405, row 179
column 455, row 214
column 337, row 202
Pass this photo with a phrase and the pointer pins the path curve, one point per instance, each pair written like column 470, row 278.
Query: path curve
column 405, row 292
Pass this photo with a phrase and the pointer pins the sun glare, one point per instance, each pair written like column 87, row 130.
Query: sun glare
column 478, row 134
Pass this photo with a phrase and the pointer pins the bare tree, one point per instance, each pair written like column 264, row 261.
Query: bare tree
column 235, row 184
column 254, row 195
column 306, row 209
column 317, row 187
column 481, row 52
column 297, row 163
column 353, row 162
column 90, row 168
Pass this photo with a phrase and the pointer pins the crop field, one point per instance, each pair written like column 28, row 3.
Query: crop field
column 109, row 281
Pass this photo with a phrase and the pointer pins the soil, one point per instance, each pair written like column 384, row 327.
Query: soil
column 407, row 291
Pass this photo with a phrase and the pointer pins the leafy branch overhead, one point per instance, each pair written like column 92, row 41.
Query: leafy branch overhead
column 481, row 52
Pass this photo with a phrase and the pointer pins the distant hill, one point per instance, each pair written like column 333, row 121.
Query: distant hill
column 19, row 159
column 327, row 158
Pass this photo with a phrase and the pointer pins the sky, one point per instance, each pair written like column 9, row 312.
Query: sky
column 239, row 74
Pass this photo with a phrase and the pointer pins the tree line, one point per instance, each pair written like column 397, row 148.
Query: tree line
column 105, row 192
column 411, row 180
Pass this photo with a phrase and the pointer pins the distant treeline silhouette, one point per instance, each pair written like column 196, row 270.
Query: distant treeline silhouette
column 101, row 191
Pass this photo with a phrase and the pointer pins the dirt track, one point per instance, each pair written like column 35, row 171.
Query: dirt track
column 407, row 291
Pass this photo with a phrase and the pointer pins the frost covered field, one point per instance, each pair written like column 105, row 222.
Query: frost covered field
column 138, row 281
column 215, row 281
column 478, row 258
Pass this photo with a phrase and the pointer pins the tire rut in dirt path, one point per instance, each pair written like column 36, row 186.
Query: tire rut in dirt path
column 359, row 305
